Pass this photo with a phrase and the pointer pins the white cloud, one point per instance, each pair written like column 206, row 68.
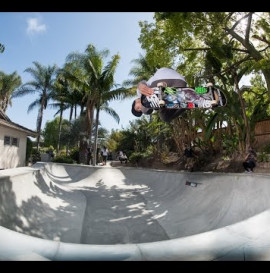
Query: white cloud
column 34, row 26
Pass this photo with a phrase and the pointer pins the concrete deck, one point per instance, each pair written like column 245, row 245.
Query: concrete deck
column 73, row 212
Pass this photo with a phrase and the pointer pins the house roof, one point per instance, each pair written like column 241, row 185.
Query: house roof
column 5, row 121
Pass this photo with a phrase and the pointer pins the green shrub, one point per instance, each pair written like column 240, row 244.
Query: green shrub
column 74, row 154
column 230, row 143
column 266, row 148
column 136, row 157
column 35, row 155
column 263, row 157
column 44, row 150
column 225, row 158
column 64, row 159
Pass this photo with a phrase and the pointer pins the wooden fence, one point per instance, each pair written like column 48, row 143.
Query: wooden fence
column 262, row 133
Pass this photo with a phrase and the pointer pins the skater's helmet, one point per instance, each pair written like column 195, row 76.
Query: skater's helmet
column 144, row 110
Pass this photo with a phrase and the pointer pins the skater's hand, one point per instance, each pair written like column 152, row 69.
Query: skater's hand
column 154, row 101
column 145, row 90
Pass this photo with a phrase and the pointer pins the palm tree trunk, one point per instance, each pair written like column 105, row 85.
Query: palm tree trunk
column 39, row 122
column 5, row 104
column 81, row 111
column 85, row 137
column 96, row 138
column 89, row 117
column 71, row 113
column 89, row 121
column 59, row 130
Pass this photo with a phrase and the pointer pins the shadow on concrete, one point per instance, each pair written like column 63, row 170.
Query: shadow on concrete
column 119, row 216
column 38, row 214
column 91, row 205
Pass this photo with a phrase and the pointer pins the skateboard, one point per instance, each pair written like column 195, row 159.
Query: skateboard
column 184, row 97
column 192, row 184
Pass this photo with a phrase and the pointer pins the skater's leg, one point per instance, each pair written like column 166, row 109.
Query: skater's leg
column 246, row 166
column 167, row 115
column 252, row 166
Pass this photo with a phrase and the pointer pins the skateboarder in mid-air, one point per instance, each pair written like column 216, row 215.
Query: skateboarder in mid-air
column 165, row 77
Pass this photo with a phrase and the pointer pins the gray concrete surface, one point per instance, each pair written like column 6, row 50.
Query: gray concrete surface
column 65, row 212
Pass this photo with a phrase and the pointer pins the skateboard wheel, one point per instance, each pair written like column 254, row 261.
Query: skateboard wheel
column 162, row 84
column 161, row 102
column 207, row 104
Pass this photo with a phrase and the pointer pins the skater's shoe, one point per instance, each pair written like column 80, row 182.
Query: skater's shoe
column 204, row 103
column 211, row 95
column 152, row 101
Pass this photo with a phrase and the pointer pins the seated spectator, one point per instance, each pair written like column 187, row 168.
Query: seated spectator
column 123, row 157
column 188, row 153
column 250, row 160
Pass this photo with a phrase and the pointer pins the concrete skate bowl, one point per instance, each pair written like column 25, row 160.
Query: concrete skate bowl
column 72, row 212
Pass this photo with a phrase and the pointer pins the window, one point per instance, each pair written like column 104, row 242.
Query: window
column 15, row 141
column 7, row 140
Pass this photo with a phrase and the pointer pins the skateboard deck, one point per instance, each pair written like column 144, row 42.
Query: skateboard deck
column 184, row 98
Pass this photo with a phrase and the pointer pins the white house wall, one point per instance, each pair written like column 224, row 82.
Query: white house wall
column 12, row 156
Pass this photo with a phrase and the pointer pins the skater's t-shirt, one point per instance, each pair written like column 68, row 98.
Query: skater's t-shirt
column 170, row 76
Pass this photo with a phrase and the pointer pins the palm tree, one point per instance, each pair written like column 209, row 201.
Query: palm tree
column 103, row 84
column 43, row 85
column 8, row 83
column 59, row 95
column 71, row 77
column 96, row 81
column 66, row 95
column 140, row 71
column 2, row 48
column 84, row 77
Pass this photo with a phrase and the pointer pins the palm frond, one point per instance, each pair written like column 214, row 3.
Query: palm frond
column 74, row 57
column 33, row 105
column 22, row 91
column 111, row 112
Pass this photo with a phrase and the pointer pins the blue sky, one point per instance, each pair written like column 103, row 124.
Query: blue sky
column 48, row 37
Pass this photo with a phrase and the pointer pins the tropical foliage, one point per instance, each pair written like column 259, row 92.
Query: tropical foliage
column 42, row 83
column 220, row 47
column 96, row 81
column 8, row 84
column 2, row 48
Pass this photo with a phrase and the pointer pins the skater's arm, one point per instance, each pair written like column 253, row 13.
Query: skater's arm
column 144, row 89
column 246, row 157
column 216, row 96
